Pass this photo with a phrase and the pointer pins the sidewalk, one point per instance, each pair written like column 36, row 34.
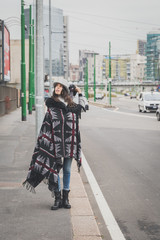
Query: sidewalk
column 28, row 216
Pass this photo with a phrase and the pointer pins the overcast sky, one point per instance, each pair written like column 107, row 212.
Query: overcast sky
column 92, row 24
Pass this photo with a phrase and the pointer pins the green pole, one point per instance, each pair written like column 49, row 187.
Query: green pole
column 110, row 73
column 87, row 79
column 30, row 61
column 23, row 65
column 94, row 78
column 33, row 74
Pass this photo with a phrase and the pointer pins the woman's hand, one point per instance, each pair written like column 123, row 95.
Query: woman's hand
column 78, row 89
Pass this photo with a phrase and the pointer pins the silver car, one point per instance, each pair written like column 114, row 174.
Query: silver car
column 148, row 101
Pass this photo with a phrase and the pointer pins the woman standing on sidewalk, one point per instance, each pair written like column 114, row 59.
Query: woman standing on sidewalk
column 57, row 144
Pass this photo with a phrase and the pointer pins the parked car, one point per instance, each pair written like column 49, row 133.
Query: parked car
column 148, row 101
column 133, row 95
column 158, row 113
column 126, row 94
column 99, row 95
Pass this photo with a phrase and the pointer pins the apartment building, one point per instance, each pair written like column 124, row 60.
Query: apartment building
column 85, row 55
column 141, row 47
column 120, row 67
column 65, row 48
column 74, row 73
column 137, row 67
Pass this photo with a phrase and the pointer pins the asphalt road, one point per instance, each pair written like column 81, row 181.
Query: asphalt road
column 122, row 147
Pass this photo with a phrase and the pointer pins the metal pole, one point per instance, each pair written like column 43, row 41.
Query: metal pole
column 30, row 61
column 3, row 50
column 94, row 78
column 39, row 66
column 33, row 74
column 87, row 80
column 23, row 65
column 50, row 51
column 109, row 73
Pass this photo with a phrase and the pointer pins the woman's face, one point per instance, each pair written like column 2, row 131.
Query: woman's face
column 58, row 89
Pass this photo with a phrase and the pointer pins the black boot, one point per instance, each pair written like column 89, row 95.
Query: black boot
column 57, row 202
column 65, row 199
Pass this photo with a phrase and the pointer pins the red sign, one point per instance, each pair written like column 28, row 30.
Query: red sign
column 7, row 70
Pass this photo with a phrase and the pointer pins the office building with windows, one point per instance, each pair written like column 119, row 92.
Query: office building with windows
column 120, row 67
column 152, row 71
column 85, row 55
column 59, row 41
column 141, row 47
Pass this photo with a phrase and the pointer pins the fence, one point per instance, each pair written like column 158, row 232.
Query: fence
column 8, row 99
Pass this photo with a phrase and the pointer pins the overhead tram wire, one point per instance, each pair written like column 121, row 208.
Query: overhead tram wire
column 103, row 35
column 97, row 47
column 12, row 19
column 115, row 19
column 95, row 23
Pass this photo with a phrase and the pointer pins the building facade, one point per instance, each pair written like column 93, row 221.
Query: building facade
column 137, row 67
column 74, row 73
column 120, row 67
column 141, row 47
column 56, row 41
column 16, row 63
column 85, row 55
column 152, row 72
column 65, row 48
column 59, row 41
column 100, row 68
column 126, row 67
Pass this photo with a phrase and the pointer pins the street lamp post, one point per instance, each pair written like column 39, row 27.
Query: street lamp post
column 39, row 66
column 86, row 79
column 50, row 50
column 94, row 78
column 23, row 65
column 33, row 73
column 30, row 62
column 109, row 84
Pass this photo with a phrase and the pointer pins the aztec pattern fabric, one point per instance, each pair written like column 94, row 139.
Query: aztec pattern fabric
column 59, row 137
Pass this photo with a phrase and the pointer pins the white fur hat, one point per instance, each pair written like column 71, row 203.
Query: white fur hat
column 63, row 82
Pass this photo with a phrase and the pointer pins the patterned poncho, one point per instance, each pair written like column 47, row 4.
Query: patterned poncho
column 59, row 137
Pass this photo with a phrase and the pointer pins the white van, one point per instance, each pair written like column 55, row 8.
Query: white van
column 148, row 101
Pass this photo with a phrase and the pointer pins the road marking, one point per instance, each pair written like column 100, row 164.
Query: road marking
column 107, row 215
column 125, row 113
column 131, row 114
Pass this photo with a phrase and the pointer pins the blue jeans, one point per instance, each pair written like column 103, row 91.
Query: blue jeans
column 66, row 174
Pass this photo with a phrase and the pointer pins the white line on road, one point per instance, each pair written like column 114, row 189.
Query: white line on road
column 125, row 113
column 131, row 114
column 108, row 217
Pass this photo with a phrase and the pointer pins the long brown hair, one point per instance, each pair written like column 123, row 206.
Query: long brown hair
column 64, row 94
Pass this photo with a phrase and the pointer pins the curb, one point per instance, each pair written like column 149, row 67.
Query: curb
column 82, row 217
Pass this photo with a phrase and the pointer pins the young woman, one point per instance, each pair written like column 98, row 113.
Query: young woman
column 57, row 144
